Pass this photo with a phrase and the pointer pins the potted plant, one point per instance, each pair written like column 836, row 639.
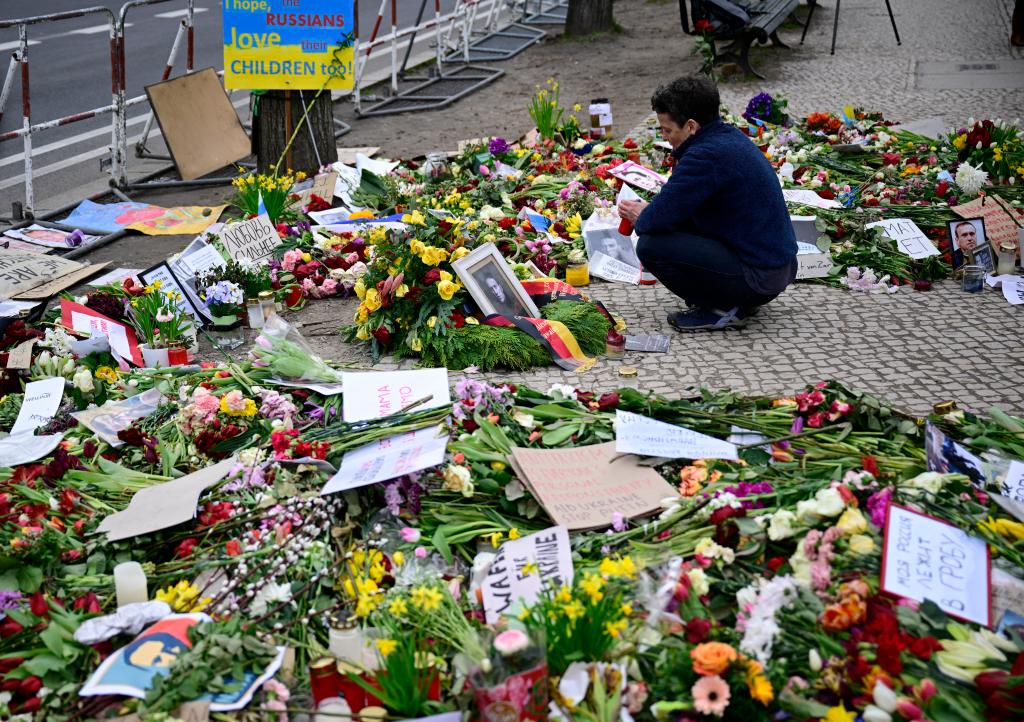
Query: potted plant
column 224, row 300
column 163, row 325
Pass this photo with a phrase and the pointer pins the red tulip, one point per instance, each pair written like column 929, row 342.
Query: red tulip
column 38, row 606
column 29, row 686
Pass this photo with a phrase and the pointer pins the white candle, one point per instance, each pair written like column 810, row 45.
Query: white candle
column 130, row 583
column 332, row 709
column 345, row 644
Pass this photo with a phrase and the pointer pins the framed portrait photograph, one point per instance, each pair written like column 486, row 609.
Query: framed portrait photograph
column 966, row 235
column 982, row 256
column 493, row 286
column 638, row 175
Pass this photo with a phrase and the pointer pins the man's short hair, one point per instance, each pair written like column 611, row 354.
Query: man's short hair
column 961, row 224
column 691, row 96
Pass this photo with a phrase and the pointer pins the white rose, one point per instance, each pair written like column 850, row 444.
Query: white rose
column 699, row 582
column 781, row 526
column 829, row 502
column 930, row 481
column 806, row 511
column 525, row 420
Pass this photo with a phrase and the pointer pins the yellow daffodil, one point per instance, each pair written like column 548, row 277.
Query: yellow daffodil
column 386, row 646
column 513, row 533
column 1005, row 528
column 426, row 598
column 495, row 539
column 183, row 597
column 626, row 610
column 399, row 607
column 564, row 595
column 529, row 569
column 573, row 610
column 591, row 586
column 959, row 142
column 615, row 629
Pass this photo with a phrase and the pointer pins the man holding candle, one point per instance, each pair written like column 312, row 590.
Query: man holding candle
column 718, row 234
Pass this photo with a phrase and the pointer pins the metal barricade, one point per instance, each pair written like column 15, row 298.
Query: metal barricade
column 119, row 100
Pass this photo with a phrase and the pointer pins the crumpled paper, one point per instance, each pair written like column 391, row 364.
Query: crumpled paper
column 129, row 619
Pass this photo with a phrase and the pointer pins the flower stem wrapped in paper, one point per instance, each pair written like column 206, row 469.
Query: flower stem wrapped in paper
column 283, row 350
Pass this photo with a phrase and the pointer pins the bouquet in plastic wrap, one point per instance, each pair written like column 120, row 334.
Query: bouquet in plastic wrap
column 283, row 350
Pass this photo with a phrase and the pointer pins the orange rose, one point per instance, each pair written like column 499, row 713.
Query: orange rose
column 712, row 658
column 835, row 618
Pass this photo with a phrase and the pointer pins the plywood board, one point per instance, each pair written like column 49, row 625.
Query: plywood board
column 199, row 123
column 59, row 284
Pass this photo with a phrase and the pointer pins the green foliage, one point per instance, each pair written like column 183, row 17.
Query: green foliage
column 486, row 347
column 584, row 321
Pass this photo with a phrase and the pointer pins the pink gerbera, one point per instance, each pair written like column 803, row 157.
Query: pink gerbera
column 711, row 695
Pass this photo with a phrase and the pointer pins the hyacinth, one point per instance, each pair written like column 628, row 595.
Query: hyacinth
column 224, row 292
column 760, row 107
column 970, row 179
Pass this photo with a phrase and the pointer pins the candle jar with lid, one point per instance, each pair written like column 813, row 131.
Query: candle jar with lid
column 614, row 344
column 629, row 378
column 268, row 306
column 1006, row 258
column 254, row 312
column 973, row 280
column 435, row 166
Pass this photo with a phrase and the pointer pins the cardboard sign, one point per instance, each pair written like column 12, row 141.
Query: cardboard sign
column 20, row 357
column 163, row 505
column 812, row 263
column 25, row 448
column 42, row 399
column 377, row 394
column 130, row 670
column 52, row 288
column 387, row 459
column 21, row 271
column 251, row 241
column 582, row 487
column 926, row 558
column 635, row 434
column 909, row 238
column 105, row 421
column 84, row 320
column 611, row 269
column 287, row 45
column 657, row 343
column 321, row 185
column 508, row 581
column 808, row 198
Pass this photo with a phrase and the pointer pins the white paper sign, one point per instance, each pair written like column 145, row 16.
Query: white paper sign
column 377, row 394
column 251, row 241
column 635, row 434
column 323, row 389
column 809, row 198
column 25, row 448
column 611, row 269
column 1013, row 289
column 509, row 580
column 1013, row 484
column 199, row 257
column 388, row 458
column 10, row 309
column 42, row 399
column 812, row 264
column 925, row 558
column 909, row 238
column 114, row 332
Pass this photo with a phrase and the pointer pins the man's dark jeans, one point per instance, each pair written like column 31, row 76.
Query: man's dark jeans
column 702, row 271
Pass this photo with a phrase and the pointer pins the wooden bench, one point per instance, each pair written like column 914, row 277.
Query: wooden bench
column 741, row 22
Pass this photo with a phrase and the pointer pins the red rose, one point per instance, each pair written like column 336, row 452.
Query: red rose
column 431, row 277
column 29, row 686
column 608, row 401
column 941, row 188
column 890, row 158
column 185, row 548
column 776, row 563
column 826, row 193
column 458, row 319
column 704, row 26
column 924, row 647
column 629, row 143
column 233, row 548
column 382, row 335
column 697, row 630
column 506, row 224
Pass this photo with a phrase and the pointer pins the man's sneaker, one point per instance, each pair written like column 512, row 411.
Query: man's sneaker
column 703, row 319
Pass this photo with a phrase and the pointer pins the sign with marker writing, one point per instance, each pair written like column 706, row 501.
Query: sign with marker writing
column 909, row 238
column 1013, row 289
column 657, row 343
column 378, row 394
column 635, row 434
column 387, row 459
column 42, row 399
column 1013, row 483
column 612, row 269
column 251, row 241
column 524, row 568
column 583, row 487
column 84, row 320
column 322, row 186
column 289, row 44
column 808, row 198
column 20, row 357
column 812, row 263
column 926, row 558
column 20, row 271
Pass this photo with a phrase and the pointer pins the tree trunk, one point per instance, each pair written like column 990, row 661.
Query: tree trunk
column 587, row 17
column 278, row 115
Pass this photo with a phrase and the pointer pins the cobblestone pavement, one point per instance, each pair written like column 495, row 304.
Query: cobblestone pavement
column 913, row 348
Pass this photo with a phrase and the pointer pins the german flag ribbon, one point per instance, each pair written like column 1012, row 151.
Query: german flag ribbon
column 552, row 335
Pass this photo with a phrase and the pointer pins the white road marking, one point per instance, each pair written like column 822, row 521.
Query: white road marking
column 82, row 157
column 15, row 45
column 94, row 30
column 178, row 13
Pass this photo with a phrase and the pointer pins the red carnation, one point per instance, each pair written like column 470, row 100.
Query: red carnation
column 185, row 548
column 233, row 548
column 629, row 144
column 506, row 224
column 382, row 335
column 432, row 276
column 697, row 630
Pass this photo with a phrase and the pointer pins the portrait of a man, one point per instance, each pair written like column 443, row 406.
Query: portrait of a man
column 493, row 286
column 613, row 244
column 966, row 236
column 502, row 297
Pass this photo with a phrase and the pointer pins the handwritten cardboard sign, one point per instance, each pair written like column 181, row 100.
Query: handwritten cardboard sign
column 582, row 487
column 511, row 580
column 1013, row 483
column 251, row 241
column 388, row 458
column 21, row 271
column 20, row 357
column 635, row 434
column 321, row 185
column 56, row 285
column 909, row 238
column 926, row 558
column 612, row 269
column 42, row 399
column 163, row 505
column 377, row 394
column 812, row 263
column 1000, row 227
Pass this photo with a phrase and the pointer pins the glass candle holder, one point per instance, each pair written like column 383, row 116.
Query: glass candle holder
column 228, row 336
column 629, row 378
column 973, row 280
column 577, row 274
column 614, row 344
column 1006, row 258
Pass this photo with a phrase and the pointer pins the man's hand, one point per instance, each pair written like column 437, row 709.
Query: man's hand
column 631, row 210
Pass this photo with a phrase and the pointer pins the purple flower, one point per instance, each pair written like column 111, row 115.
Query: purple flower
column 878, row 506
column 798, row 425
column 393, row 498
column 10, row 600
column 618, row 521
column 497, row 146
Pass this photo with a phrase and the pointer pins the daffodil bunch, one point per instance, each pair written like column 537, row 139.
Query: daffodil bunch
column 273, row 191
column 183, row 597
column 158, row 316
column 585, row 620
column 546, row 110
